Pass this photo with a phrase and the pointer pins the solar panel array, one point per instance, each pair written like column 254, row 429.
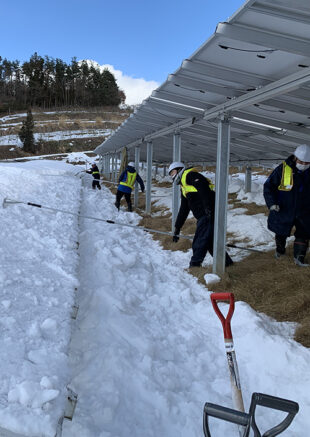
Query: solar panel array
column 255, row 69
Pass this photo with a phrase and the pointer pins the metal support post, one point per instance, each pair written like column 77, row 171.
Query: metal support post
column 100, row 167
column 137, row 162
column 176, row 193
column 112, row 168
column 221, row 184
column 107, row 166
column 248, row 180
column 115, row 167
column 165, row 170
column 149, row 158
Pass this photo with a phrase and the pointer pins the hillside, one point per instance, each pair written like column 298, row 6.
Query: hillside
column 61, row 131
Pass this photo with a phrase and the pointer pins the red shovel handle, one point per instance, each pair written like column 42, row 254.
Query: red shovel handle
column 215, row 297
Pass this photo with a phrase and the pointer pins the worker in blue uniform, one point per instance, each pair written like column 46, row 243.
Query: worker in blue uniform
column 126, row 183
column 287, row 195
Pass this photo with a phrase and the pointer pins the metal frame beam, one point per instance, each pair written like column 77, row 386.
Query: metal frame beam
column 271, row 40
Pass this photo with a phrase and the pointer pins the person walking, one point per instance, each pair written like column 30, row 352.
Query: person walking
column 198, row 196
column 126, row 183
column 287, row 196
column 94, row 171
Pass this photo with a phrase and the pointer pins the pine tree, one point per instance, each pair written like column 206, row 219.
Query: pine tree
column 26, row 134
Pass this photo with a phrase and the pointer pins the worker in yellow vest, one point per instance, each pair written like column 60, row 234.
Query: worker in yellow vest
column 94, row 171
column 126, row 183
column 287, row 195
column 197, row 196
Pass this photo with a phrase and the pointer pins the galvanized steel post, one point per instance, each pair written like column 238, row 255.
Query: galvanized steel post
column 221, row 186
column 149, row 158
column 248, row 179
column 137, row 162
column 112, row 167
column 176, row 193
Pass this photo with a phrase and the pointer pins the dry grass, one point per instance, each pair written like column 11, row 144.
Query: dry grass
column 72, row 119
column 251, row 208
column 161, row 184
column 163, row 223
column 277, row 288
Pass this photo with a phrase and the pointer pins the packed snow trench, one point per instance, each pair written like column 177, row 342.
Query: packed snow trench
column 146, row 350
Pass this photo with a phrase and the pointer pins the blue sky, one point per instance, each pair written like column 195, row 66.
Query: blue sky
column 142, row 38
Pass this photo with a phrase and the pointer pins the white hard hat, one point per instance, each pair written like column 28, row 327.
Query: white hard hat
column 174, row 165
column 303, row 153
column 132, row 164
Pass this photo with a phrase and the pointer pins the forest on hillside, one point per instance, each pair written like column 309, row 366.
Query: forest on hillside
column 52, row 83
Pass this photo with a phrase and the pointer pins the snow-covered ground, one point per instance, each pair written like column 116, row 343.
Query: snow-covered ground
column 7, row 140
column 146, row 351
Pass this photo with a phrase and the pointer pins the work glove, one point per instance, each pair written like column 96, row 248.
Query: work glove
column 176, row 237
column 274, row 208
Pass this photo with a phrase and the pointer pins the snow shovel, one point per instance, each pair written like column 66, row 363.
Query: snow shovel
column 247, row 420
column 230, row 352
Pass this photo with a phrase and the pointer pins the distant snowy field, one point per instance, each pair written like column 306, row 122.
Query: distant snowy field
column 9, row 121
column 146, row 351
column 7, row 140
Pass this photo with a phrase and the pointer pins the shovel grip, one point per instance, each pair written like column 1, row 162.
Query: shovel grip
column 217, row 297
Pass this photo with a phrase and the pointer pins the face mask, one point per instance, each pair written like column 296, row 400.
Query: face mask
column 302, row 167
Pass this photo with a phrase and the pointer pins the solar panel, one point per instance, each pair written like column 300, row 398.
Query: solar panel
column 255, row 68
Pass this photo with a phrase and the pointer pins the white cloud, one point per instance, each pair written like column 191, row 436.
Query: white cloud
column 136, row 90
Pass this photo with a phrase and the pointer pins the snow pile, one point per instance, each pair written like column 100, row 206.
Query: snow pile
column 78, row 157
column 39, row 262
column 211, row 278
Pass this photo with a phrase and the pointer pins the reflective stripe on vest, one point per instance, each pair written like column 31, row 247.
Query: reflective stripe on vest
column 287, row 178
column 190, row 188
column 187, row 188
column 130, row 180
column 95, row 172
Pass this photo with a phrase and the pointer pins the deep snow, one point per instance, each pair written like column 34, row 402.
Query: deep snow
column 147, row 349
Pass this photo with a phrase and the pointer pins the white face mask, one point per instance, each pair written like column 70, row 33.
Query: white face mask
column 302, row 167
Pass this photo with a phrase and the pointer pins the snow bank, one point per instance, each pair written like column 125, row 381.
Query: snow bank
column 38, row 278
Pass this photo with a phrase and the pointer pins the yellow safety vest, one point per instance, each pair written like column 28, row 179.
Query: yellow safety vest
column 190, row 188
column 130, row 180
column 287, row 178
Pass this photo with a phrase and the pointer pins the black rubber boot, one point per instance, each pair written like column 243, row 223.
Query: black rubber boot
column 129, row 207
column 117, row 205
column 194, row 264
column 280, row 246
column 228, row 260
column 300, row 250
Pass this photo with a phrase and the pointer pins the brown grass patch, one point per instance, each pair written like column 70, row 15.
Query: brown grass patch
column 277, row 288
column 212, row 169
column 251, row 208
column 156, row 183
column 163, row 223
